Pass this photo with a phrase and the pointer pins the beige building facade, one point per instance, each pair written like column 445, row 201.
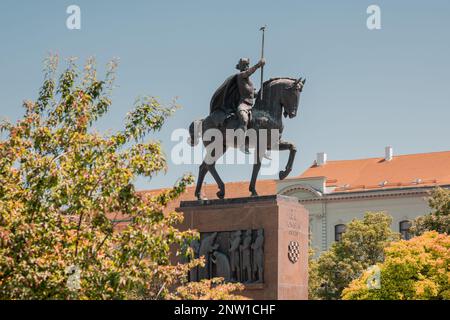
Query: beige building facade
column 335, row 192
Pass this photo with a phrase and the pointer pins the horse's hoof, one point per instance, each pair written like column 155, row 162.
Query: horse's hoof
column 283, row 174
column 254, row 194
column 220, row 194
column 200, row 197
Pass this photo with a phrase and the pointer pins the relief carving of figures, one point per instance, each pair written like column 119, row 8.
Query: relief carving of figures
column 222, row 265
column 246, row 257
column 236, row 256
column 235, row 260
column 258, row 256
column 207, row 246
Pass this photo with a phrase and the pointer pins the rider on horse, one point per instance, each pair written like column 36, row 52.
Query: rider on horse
column 246, row 90
column 236, row 96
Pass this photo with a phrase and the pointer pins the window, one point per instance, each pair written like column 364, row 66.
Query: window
column 339, row 229
column 404, row 227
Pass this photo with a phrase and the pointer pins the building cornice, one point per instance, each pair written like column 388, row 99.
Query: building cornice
column 299, row 187
column 358, row 195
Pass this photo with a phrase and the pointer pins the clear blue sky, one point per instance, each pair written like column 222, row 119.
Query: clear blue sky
column 365, row 90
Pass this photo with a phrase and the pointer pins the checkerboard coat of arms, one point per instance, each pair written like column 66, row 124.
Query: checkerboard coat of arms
column 293, row 251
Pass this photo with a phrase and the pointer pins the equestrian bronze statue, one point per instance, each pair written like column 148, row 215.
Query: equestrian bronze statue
column 232, row 109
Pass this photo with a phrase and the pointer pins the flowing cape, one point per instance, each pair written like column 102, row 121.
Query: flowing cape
column 225, row 100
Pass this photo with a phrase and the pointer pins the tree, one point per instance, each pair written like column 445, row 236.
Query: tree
column 361, row 246
column 439, row 219
column 413, row 269
column 208, row 289
column 314, row 279
column 61, row 183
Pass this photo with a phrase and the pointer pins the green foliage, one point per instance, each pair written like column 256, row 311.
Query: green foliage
column 417, row 269
column 61, row 183
column 439, row 219
column 361, row 246
column 314, row 279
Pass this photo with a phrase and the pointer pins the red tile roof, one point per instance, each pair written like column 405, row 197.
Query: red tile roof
column 412, row 170
column 423, row 169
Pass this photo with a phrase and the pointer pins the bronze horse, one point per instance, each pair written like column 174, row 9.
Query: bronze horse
column 281, row 97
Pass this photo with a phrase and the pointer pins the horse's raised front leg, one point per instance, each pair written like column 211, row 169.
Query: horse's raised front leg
column 202, row 171
column 284, row 145
column 220, row 184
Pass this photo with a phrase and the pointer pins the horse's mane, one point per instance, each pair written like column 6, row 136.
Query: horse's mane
column 267, row 84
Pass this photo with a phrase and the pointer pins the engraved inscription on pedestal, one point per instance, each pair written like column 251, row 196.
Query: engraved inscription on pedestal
column 293, row 225
column 236, row 256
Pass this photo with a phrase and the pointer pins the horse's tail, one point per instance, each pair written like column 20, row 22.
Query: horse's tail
column 195, row 132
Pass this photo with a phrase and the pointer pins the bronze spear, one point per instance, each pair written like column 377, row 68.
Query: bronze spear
column 263, row 29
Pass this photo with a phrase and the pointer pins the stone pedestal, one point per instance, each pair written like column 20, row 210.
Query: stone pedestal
column 284, row 225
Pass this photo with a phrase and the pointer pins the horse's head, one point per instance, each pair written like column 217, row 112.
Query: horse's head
column 291, row 97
